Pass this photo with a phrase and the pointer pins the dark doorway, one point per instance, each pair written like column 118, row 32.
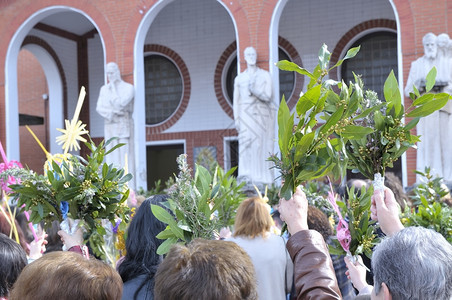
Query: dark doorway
column 161, row 162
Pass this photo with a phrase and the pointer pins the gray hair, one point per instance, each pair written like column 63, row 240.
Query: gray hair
column 416, row 263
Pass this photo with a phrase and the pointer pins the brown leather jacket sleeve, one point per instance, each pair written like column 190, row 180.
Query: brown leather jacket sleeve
column 313, row 268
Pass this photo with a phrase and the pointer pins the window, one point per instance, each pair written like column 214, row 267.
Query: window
column 375, row 60
column 286, row 79
column 163, row 88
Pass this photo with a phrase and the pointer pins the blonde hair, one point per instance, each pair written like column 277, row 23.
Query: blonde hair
column 252, row 218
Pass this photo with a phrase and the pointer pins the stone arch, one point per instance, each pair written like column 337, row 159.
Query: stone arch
column 19, row 30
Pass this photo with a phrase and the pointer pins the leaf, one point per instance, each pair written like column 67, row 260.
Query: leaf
column 114, row 148
column 308, row 100
column 369, row 110
column 430, row 80
column 430, row 107
column 425, row 98
column 333, row 119
column 290, row 66
column 392, row 94
column 202, row 178
column 162, row 214
column 324, row 57
column 412, row 123
column 350, row 54
column 379, row 121
column 303, row 145
column 285, row 123
column 355, row 132
column 166, row 246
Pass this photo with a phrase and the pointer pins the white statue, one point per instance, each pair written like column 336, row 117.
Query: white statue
column 436, row 129
column 115, row 104
column 254, row 116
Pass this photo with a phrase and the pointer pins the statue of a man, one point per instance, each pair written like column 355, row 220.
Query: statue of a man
column 115, row 105
column 254, row 117
column 435, row 130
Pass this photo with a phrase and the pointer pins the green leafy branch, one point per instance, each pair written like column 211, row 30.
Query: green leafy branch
column 201, row 205
column 389, row 137
column 362, row 230
column 307, row 149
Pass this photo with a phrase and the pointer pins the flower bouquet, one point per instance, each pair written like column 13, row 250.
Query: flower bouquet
column 75, row 190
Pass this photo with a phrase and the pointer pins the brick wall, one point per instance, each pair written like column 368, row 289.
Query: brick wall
column 31, row 102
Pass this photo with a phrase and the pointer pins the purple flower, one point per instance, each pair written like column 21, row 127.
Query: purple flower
column 115, row 228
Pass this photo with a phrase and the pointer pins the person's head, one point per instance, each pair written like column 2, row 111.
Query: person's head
column 23, row 223
column 253, row 218
column 317, row 220
column 12, row 260
column 356, row 183
column 430, row 45
column 65, row 276
column 113, row 73
column 443, row 41
column 5, row 228
column 54, row 242
column 415, row 263
column 141, row 243
column 250, row 56
column 204, row 270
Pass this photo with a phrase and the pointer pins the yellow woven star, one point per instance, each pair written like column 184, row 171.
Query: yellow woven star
column 74, row 128
column 71, row 135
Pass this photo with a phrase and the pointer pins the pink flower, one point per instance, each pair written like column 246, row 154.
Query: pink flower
column 342, row 232
column 11, row 180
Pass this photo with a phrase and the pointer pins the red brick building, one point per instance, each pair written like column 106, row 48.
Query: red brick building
column 181, row 56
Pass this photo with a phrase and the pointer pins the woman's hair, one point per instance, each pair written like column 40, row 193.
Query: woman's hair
column 54, row 242
column 67, row 276
column 317, row 220
column 252, row 218
column 12, row 260
column 141, row 243
column 5, row 228
column 204, row 270
column 23, row 223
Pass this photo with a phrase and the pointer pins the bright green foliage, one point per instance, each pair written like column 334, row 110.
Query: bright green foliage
column 93, row 189
column 389, row 137
column 358, row 130
column 362, row 230
column 200, row 205
column 308, row 150
column 429, row 211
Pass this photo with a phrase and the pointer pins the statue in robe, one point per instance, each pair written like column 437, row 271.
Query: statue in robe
column 115, row 105
column 254, row 117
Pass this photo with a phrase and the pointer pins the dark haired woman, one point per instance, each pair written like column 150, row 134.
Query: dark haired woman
column 140, row 264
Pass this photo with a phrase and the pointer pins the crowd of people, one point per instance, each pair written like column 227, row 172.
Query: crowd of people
column 253, row 263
